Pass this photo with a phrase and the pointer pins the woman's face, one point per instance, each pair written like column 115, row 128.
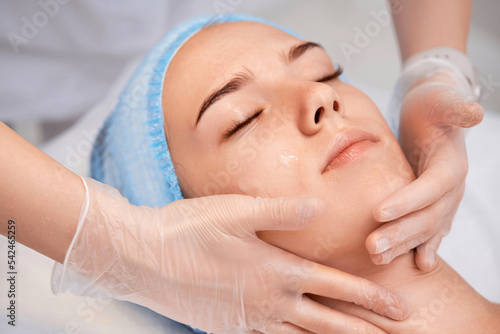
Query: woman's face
column 252, row 110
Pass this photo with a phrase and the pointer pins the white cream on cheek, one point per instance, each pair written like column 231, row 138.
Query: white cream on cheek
column 287, row 159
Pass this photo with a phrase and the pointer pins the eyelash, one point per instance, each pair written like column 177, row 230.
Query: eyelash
column 338, row 71
column 237, row 126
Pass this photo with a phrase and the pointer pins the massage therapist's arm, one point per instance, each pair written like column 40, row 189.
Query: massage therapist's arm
column 434, row 109
column 44, row 200
column 41, row 196
column 425, row 24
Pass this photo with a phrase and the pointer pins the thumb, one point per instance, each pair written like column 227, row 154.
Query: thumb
column 284, row 213
column 459, row 111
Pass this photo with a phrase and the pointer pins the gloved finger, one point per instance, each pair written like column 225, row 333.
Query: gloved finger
column 425, row 257
column 319, row 318
column 264, row 214
column 407, row 231
column 392, row 253
column 332, row 283
column 434, row 182
column 454, row 109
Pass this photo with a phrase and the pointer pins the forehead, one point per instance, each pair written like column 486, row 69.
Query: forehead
column 220, row 43
column 216, row 52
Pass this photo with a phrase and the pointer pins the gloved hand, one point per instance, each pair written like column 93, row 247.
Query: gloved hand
column 436, row 104
column 198, row 261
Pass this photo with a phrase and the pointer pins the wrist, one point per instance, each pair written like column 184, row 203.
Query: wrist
column 105, row 235
column 449, row 59
column 445, row 66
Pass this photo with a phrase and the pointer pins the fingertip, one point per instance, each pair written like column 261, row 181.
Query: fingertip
column 425, row 259
column 422, row 263
column 390, row 305
column 402, row 310
column 377, row 259
column 477, row 115
column 385, row 257
column 284, row 213
column 467, row 115
column 382, row 214
column 370, row 244
column 309, row 208
column 377, row 210
column 377, row 244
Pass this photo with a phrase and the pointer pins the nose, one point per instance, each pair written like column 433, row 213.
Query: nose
column 320, row 101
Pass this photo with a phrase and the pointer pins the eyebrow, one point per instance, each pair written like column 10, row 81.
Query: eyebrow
column 298, row 50
column 236, row 83
column 241, row 79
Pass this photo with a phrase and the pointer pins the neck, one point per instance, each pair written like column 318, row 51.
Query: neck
column 440, row 300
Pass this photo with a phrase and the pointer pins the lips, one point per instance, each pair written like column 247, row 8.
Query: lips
column 347, row 147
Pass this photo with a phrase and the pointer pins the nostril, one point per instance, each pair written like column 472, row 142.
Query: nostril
column 317, row 115
column 335, row 106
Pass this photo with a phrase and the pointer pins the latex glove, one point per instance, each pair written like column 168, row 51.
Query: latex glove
column 435, row 108
column 199, row 261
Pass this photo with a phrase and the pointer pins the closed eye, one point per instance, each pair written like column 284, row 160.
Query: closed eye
column 237, row 126
column 332, row 76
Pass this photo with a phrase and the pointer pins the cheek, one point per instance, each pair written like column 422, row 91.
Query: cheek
column 266, row 171
column 367, row 116
column 362, row 109
column 259, row 165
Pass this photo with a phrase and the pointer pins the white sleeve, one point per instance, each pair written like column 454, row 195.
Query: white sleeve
column 58, row 57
